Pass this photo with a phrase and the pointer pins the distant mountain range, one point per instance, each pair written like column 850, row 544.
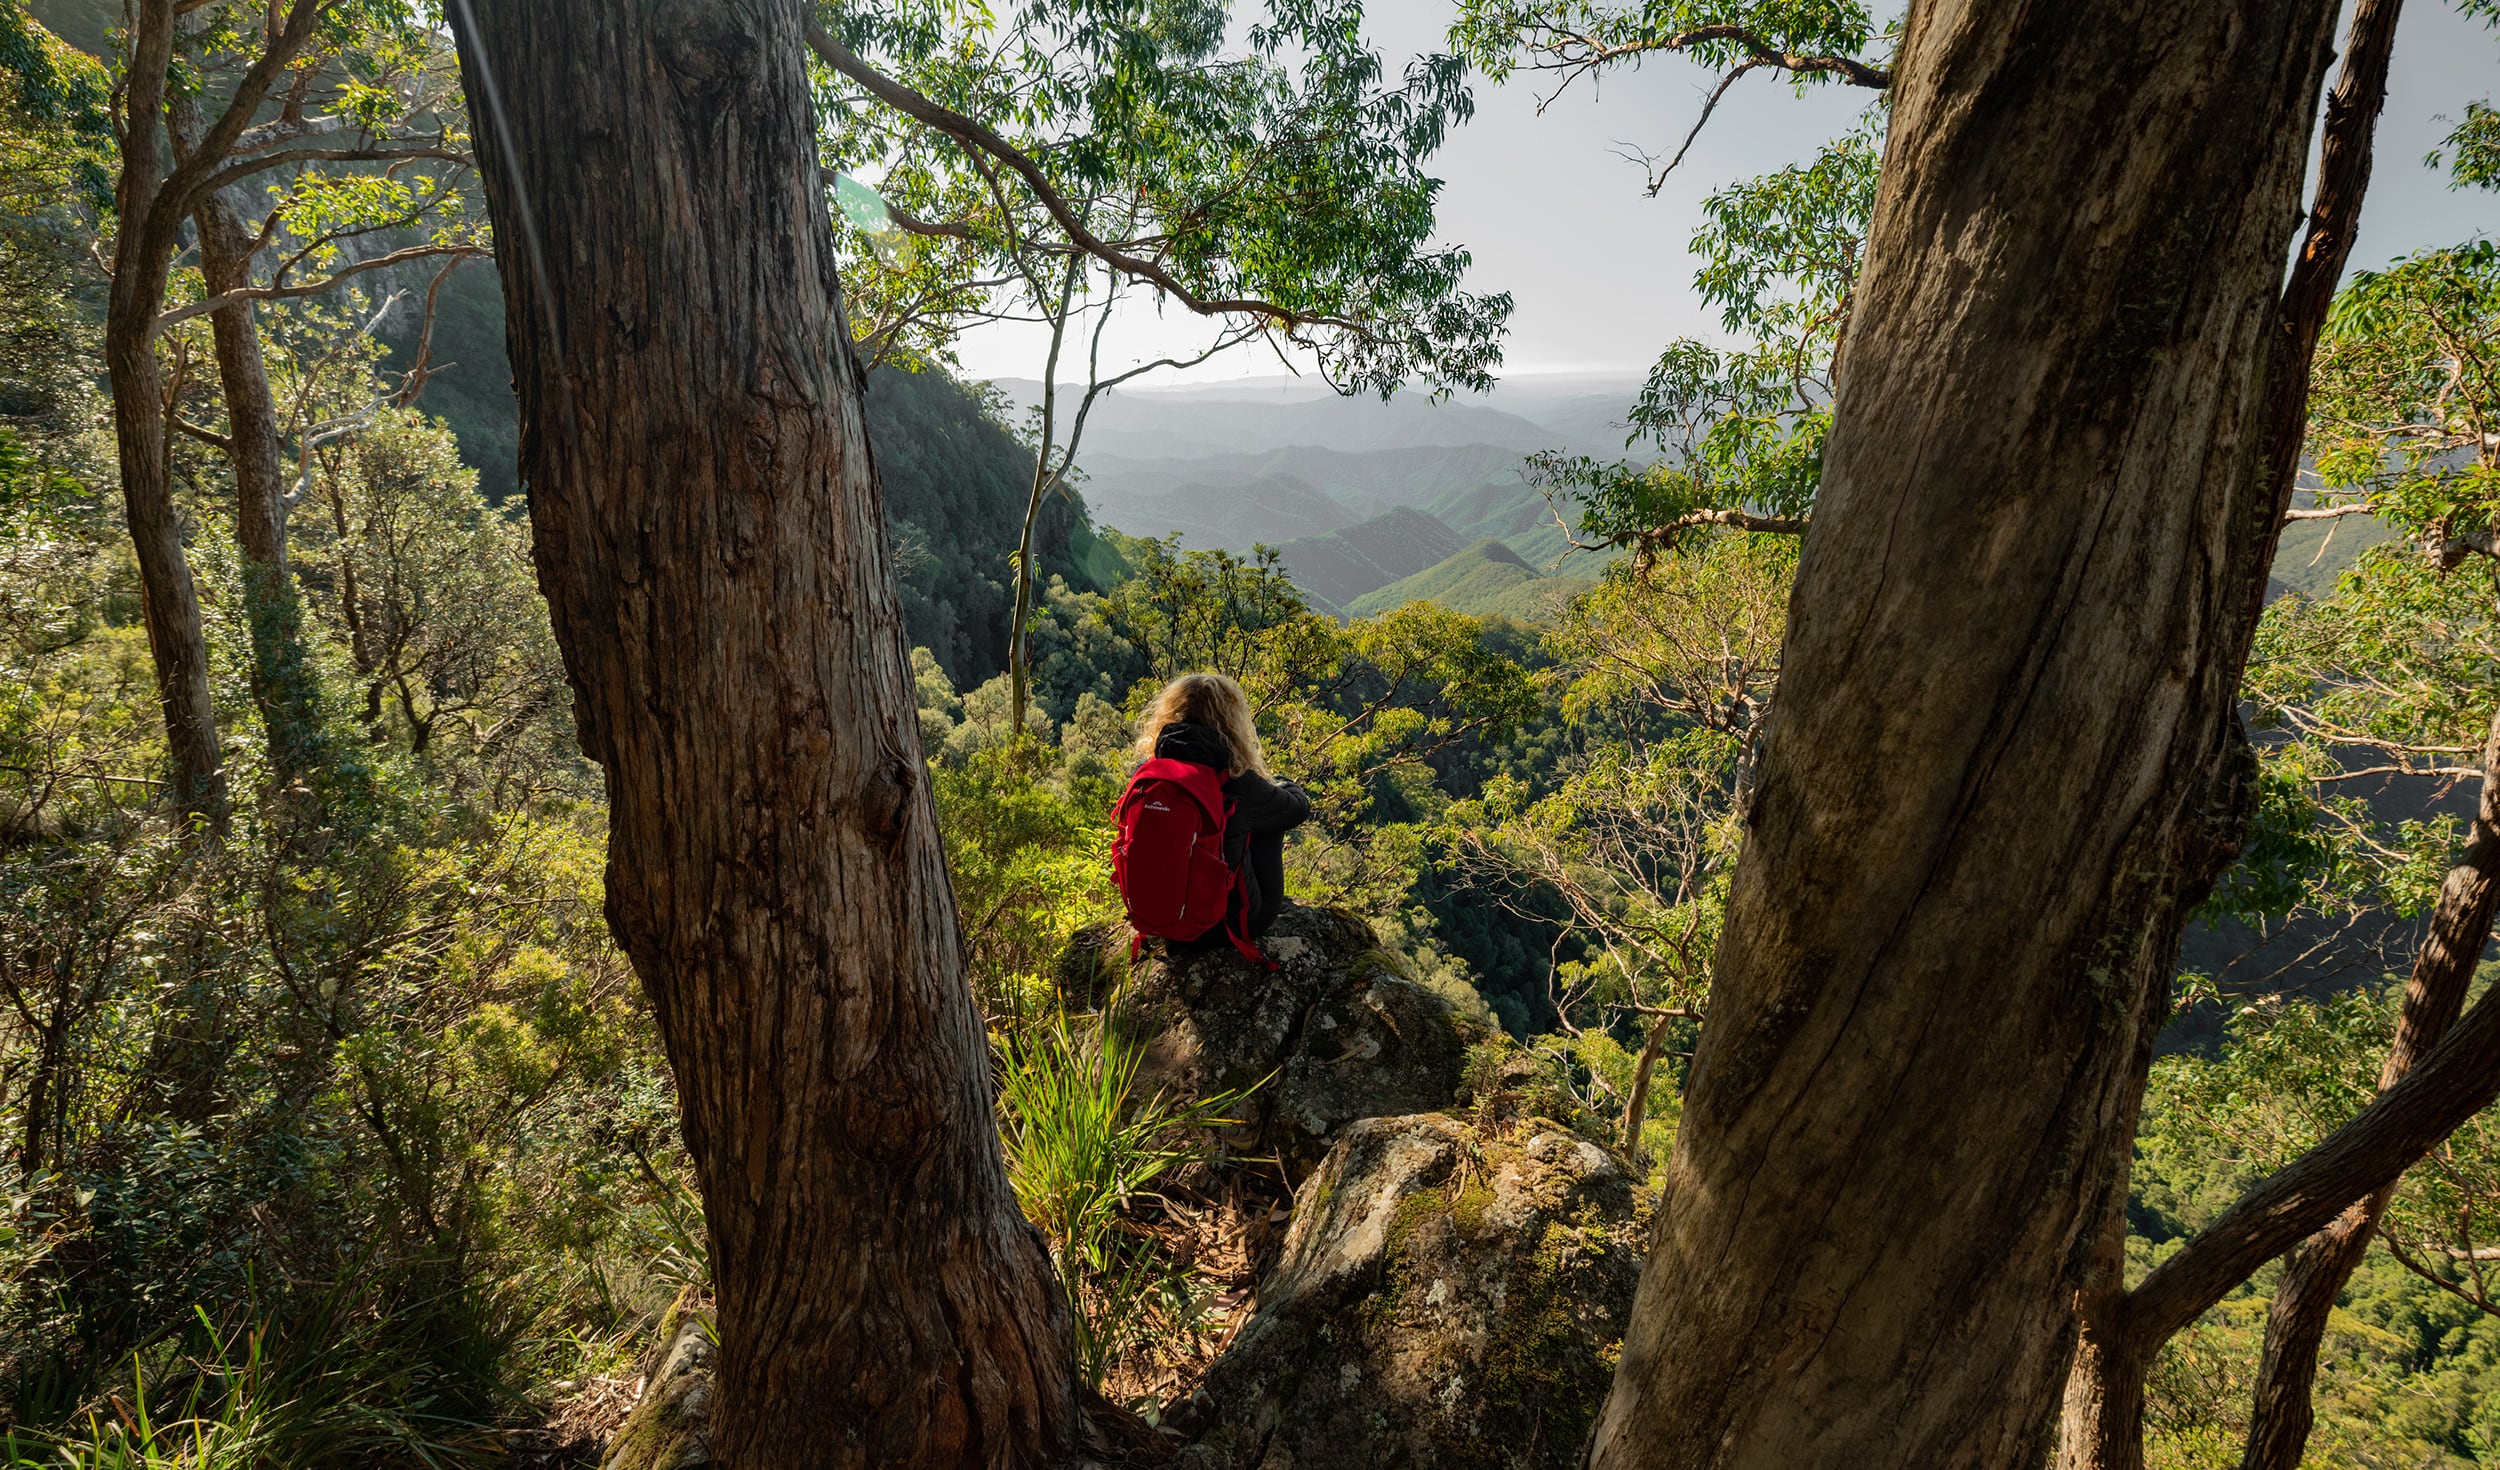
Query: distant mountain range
column 1358, row 496
column 1487, row 579
column 1256, row 415
column 1337, row 569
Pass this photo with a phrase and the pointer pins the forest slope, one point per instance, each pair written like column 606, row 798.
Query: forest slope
column 1237, row 466
column 955, row 478
column 1488, row 579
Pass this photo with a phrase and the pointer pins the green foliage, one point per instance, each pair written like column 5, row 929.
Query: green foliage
column 2411, row 1361
column 1664, row 673
column 2393, row 672
column 389, row 170
column 1289, row 172
column 1083, row 1152
column 1572, row 35
column 2405, row 395
column 61, row 96
column 335, row 1133
column 2472, row 151
column 2390, row 674
column 1030, row 852
column 222, row 1401
column 1743, row 428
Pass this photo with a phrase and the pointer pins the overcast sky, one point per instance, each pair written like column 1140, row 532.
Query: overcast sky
column 1599, row 270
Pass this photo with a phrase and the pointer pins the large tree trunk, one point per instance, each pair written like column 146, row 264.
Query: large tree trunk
column 2006, row 762
column 713, row 549
column 2315, row 1272
column 251, row 417
column 2281, row 1413
column 2104, row 1417
column 2104, row 1403
column 142, row 256
column 281, row 682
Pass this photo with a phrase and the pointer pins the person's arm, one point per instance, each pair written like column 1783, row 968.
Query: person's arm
column 1261, row 805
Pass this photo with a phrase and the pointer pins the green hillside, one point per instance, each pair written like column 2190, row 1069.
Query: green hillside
column 955, row 484
column 955, row 479
column 1487, row 579
column 1335, row 569
column 2312, row 554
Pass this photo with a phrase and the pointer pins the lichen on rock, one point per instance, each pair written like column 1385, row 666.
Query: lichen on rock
column 1334, row 1033
column 670, row 1427
column 1446, row 1298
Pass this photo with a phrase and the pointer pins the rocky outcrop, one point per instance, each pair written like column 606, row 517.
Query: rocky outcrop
column 1455, row 1281
column 1446, row 1299
column 670, row 1427
column 1333, row 1034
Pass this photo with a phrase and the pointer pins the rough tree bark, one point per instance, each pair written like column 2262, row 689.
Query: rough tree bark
column 143, row 244
column 2006, row 761
column 712, row 546
column 2315, row 1272
column 151, row 201
column 2104, row 1411
column 281, row 686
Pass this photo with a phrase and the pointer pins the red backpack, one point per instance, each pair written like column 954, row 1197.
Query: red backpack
column 1169, row 859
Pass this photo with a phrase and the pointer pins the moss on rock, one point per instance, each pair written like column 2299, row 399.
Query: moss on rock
column 1446, row 1298
column 1333, row 1033
column 670, row 1428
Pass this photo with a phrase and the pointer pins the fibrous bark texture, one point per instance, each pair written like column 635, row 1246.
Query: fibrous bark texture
column 2104, row 1416
column 2007, row 759
column 281, row 686
column 713, row 550
column 143, row 244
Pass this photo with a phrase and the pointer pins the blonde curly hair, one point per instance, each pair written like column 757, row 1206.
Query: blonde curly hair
column 1210, row 700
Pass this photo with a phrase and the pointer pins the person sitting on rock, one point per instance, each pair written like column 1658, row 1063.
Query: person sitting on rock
column 1205, row 719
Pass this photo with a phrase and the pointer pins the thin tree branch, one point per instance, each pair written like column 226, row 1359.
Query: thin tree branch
column 2458, row 1079
column 198, row 174
column 2344, row 159
column 414, row 383
column 2414, row 1264
column 241, row 169
column 1760, row 51
column 210, row 304
column 1658, row 180
column 974, row 135
column 209, row 437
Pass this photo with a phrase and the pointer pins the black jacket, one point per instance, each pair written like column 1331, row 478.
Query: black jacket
column 1259, row 805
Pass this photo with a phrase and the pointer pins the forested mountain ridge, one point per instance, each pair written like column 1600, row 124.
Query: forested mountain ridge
column 1304, row 492
column 1335, row 569
column 445, row 936
column 954, row 476
column 955, row 482
column 1487, row 579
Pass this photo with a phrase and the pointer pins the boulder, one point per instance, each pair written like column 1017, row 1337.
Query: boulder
column 1446, row 1298
column 1334, row 1033
column 670, row 1427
